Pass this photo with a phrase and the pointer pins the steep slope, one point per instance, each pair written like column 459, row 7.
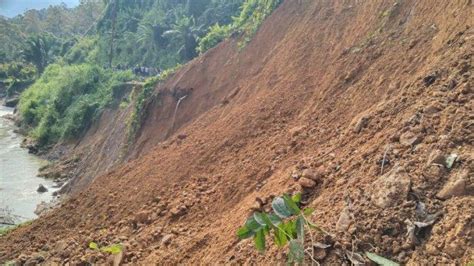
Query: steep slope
column 333, row 86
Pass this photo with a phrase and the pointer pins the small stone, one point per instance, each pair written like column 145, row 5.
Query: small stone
column 361, row 124
column 455, row 249
column 433, row 172
column 41, row 189
column 457, row 186
column 143, row 217
column 167, row 239
column 315, row 175
column 430, row 79
column 182, row 136
column 436, row 157
column 306, row 183
column 391, row 189
column 410, row 139
column 344, row 220
column 432, row 109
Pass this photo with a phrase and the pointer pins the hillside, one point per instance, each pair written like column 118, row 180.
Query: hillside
column 373, row 97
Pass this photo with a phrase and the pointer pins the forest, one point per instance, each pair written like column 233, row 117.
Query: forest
column 61, row 65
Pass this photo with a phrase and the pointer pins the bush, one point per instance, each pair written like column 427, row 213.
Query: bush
column 215, row 35
column 65, row 100
column 252, row 15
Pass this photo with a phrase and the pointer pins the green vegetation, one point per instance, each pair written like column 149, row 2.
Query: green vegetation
column 16, row 76
column 67, row 99
column 252, row 15
column 7, row 229
column 112, row 249
column 138, row 114
column 69, row 63
column 287, row 222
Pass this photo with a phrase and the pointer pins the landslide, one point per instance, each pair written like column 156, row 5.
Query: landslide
column 373, row 96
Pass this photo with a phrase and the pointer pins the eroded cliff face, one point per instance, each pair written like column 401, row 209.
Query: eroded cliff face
column 361, row 105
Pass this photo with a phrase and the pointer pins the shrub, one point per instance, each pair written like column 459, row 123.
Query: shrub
column 287, row 222
column 215, row 35
column 252, row 15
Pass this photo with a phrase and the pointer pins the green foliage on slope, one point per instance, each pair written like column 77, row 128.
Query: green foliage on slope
column 66, row 99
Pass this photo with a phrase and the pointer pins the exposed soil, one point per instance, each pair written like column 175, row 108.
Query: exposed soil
column 374, row 97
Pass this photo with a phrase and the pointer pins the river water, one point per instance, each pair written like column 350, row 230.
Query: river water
column 18, row 173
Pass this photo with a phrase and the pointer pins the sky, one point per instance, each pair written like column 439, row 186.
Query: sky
column 11, row 8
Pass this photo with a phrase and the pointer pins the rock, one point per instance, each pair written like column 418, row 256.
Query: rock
column 166, row 240
column 361, row 124
column 182, row 136
column 41, row 189
column 430, row 79
column 436, row 157
column 306, row 183
column 344, row 220
column 12, row 102
column 143, row 217
column 35, row 259
column 43, row 207
column 410, row 139
column 178, row 211
column 455, row 249
column 391, row 189
column 457, row 186
column 432, row 109
column 433, row 172
column 315, row 175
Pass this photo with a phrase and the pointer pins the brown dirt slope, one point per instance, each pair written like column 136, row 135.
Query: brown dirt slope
column 332, row 86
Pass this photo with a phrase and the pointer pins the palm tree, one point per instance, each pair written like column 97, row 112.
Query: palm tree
column 186, row 32
column 36, row 52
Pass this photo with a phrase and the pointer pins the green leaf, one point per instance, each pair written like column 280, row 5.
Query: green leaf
column 93, row 246
column 296, row 250
column 259, row 217
column 280, row 208
column 113, row 249
column 296, row 198
column 275, row 220
column 291, row 205
column 259, row 240
column 252, row 224
column 244, row 232
column 380, row 260
column 290, row 228
column 280, row 237
column 300, row 228
column 308, row 211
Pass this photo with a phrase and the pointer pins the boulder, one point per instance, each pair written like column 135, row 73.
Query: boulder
column 41, row 189
column 391, row 189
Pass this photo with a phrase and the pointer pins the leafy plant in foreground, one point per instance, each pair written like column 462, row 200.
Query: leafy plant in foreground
column 287, row 223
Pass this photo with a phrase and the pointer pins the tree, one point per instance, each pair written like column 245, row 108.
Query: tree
column 185, row 32
column 36, row 52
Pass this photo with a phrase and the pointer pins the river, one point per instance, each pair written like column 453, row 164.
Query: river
column 18, row 173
